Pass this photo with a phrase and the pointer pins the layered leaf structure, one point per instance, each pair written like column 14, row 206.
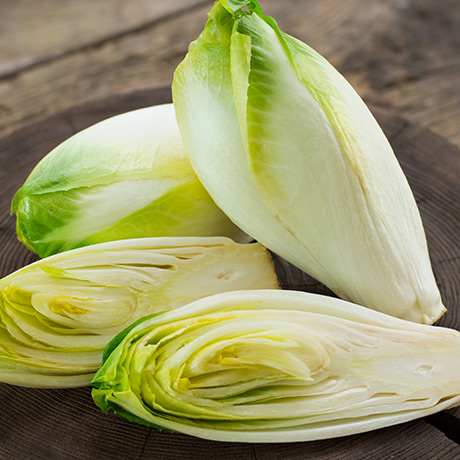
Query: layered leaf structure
column 277, row 366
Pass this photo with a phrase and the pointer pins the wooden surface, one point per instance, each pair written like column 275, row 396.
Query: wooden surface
column 401, row 55
column 65, row 424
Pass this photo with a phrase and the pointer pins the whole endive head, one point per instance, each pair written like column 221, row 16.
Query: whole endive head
column 277, row 366
column 58, row 314
column 290, row 152
column 125, row 177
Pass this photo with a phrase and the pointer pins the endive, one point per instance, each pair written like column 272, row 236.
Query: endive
column 278, row 366
column 290, row 152
column 125, row 177
column 58, row 314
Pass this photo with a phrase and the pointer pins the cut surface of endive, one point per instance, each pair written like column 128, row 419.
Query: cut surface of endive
column 58, row 314
column 278, row 366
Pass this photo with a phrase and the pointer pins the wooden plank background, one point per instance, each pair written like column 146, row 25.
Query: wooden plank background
column 401, row 55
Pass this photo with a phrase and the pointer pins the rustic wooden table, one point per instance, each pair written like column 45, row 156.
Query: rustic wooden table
column 401, row 55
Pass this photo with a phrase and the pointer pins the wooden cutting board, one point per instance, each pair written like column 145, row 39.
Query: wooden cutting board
column 65, row 424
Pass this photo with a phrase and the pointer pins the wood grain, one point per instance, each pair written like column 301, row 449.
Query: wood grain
column 58, row 424
column 65, row 424
column 402, row 55
column 50, row 29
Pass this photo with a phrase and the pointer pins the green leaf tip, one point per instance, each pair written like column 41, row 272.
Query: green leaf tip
column 234, row 6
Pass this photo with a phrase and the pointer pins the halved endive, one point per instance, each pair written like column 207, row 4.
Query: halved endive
column 58, row 314
column 125, row 177
column 292, row 155
column 277, row 366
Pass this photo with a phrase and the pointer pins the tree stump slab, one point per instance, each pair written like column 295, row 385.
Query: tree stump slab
column 65, row 424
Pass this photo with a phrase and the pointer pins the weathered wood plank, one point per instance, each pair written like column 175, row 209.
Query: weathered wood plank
column 142, row 59
column 49, row 29
column 399, row 54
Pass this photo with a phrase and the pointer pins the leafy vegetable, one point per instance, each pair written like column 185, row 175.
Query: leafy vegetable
column 292, row 155
column 58, row 314
column 278, row 366
column 125, row 177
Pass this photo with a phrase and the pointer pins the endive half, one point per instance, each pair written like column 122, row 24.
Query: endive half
column 125, row 177
column 58, row 314
column 290, row 152
column 278, row 366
